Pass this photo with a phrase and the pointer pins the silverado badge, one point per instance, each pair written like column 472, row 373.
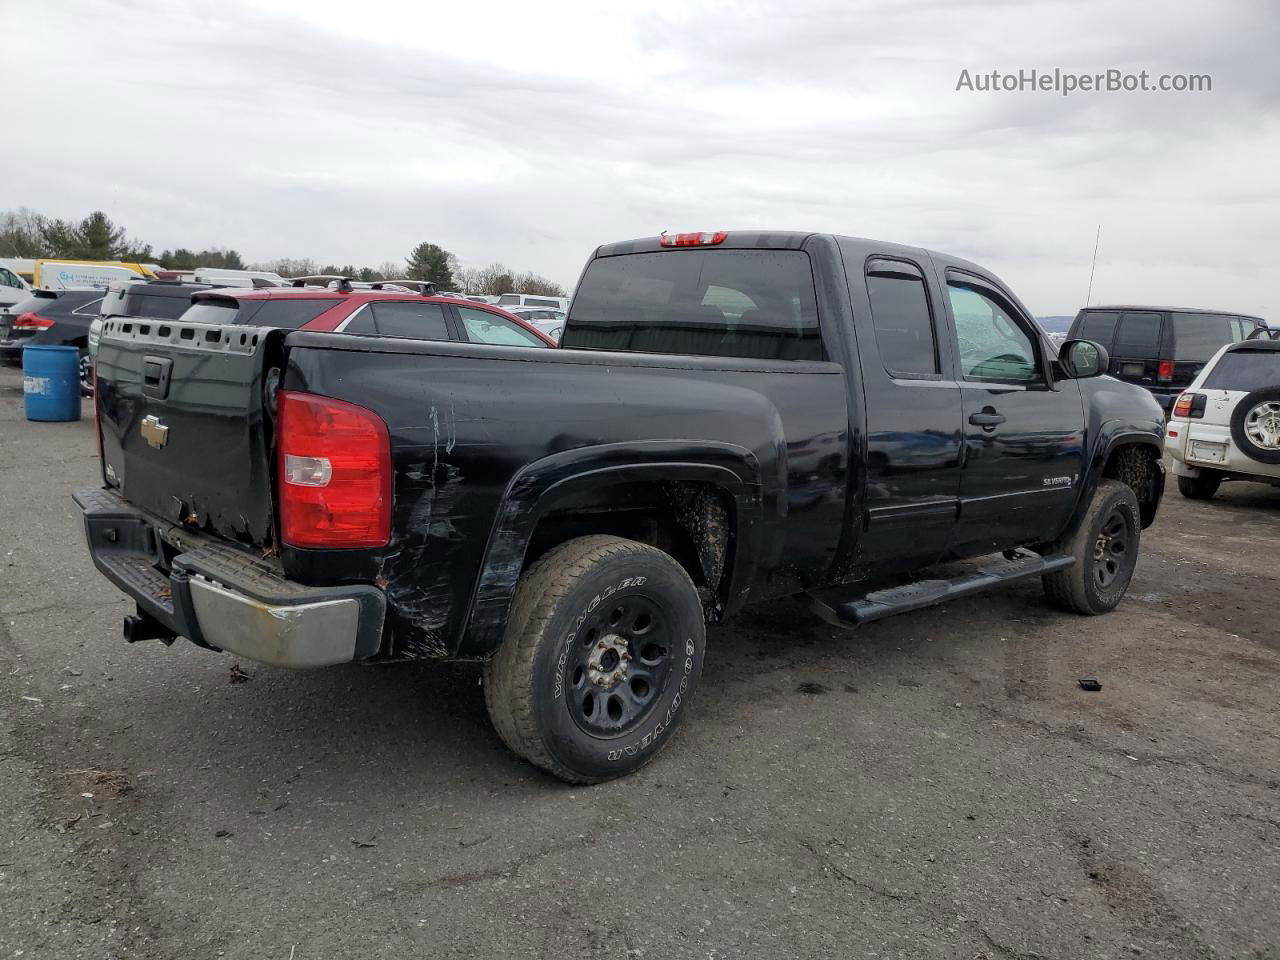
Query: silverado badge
column 154, row 432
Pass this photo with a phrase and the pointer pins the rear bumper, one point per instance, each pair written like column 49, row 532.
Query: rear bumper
column 221, row 597
column 1185, row 448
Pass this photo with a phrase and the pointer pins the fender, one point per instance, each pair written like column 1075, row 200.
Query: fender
column 1112, row 434
column 561, row 478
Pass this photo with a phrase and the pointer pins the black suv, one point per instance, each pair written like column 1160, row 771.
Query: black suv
column 1161, row 348
column 50, row 318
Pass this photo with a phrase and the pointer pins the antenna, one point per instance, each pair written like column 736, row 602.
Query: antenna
column 1093, row 266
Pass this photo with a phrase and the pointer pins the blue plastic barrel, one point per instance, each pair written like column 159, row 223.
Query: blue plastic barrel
column 51, row 383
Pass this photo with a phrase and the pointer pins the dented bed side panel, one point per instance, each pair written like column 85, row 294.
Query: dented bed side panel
column 486, row 439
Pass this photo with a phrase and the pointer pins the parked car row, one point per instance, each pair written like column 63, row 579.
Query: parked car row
column 392, row 308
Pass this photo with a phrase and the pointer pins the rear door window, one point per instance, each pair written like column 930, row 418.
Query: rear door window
column 903, row 324
column 88, row 309
column 1138, row 336
column 1198, row 336
column 1099, row 326
column 410, row 319
column 757, row 304
column 361, row 322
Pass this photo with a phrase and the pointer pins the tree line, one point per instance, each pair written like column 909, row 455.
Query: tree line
column 30, row 235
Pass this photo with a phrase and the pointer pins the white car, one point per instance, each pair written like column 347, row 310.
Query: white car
column 509, row 300
column 1226, row 425
column 549, row 321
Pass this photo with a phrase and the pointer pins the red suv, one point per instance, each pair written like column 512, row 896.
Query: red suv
column 379, row 313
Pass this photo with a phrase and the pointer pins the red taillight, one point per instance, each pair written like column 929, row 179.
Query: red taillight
column 335, row 473
column 692, row 239
column 1190, row 405
column 1166, row 370
column 31, row 321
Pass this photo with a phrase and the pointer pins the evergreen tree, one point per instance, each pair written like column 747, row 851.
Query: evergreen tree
column 430, row 262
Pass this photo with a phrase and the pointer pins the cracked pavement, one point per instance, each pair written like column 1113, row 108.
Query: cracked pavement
column 935, row 785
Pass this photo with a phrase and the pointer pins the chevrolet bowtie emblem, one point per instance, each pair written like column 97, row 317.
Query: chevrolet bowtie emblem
column 154, row 432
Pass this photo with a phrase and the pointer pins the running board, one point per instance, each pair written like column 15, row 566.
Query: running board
column 838, row 607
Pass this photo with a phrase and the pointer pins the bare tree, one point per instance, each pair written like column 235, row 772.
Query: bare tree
column 288, row 267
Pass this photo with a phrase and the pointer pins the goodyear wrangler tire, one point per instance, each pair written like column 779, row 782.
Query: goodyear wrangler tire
column 1105, row 548
column 603, row 650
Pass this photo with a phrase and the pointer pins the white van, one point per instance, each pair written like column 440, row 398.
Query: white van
column 84, row 274
column 223, row 277
column 532, row 300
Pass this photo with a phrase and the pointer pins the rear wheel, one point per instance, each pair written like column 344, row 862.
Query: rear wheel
column 603, row 650
column 1105, row 548
column 1202, row 487
column 86, row 373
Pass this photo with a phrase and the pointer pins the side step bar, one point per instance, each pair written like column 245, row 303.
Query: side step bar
column 838, row 607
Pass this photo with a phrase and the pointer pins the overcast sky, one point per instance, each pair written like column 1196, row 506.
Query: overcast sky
column 531, row 132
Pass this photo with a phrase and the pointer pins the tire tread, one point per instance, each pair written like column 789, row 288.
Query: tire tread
column 1065, row 589
column 509, row 693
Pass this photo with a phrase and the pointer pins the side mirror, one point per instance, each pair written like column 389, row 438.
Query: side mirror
column 1084, row 358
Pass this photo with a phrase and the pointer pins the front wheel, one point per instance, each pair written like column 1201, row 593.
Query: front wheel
column 603, row 650
column 1105, row 548
column 1201, row 487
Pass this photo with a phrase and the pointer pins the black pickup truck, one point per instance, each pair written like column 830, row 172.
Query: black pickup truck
column 732, row 418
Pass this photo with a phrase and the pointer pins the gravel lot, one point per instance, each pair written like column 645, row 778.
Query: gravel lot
column 936, row 785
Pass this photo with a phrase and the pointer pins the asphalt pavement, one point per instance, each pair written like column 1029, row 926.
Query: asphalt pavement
column 934, row 785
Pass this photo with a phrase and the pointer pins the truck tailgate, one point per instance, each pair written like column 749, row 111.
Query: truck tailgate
column 186, row 432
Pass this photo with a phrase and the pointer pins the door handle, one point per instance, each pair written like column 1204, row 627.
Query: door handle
column 988, row 419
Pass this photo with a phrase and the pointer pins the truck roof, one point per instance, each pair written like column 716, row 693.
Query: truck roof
column 1159, row 309
column 780, row 240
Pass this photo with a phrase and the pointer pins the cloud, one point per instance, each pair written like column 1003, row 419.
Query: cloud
column 532, row 133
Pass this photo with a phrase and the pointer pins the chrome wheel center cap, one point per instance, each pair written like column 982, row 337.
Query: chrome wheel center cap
column 609, row 658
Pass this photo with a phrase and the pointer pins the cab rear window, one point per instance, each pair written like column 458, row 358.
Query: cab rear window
column 757, row 304
column 161, row 308
column 283, row 314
